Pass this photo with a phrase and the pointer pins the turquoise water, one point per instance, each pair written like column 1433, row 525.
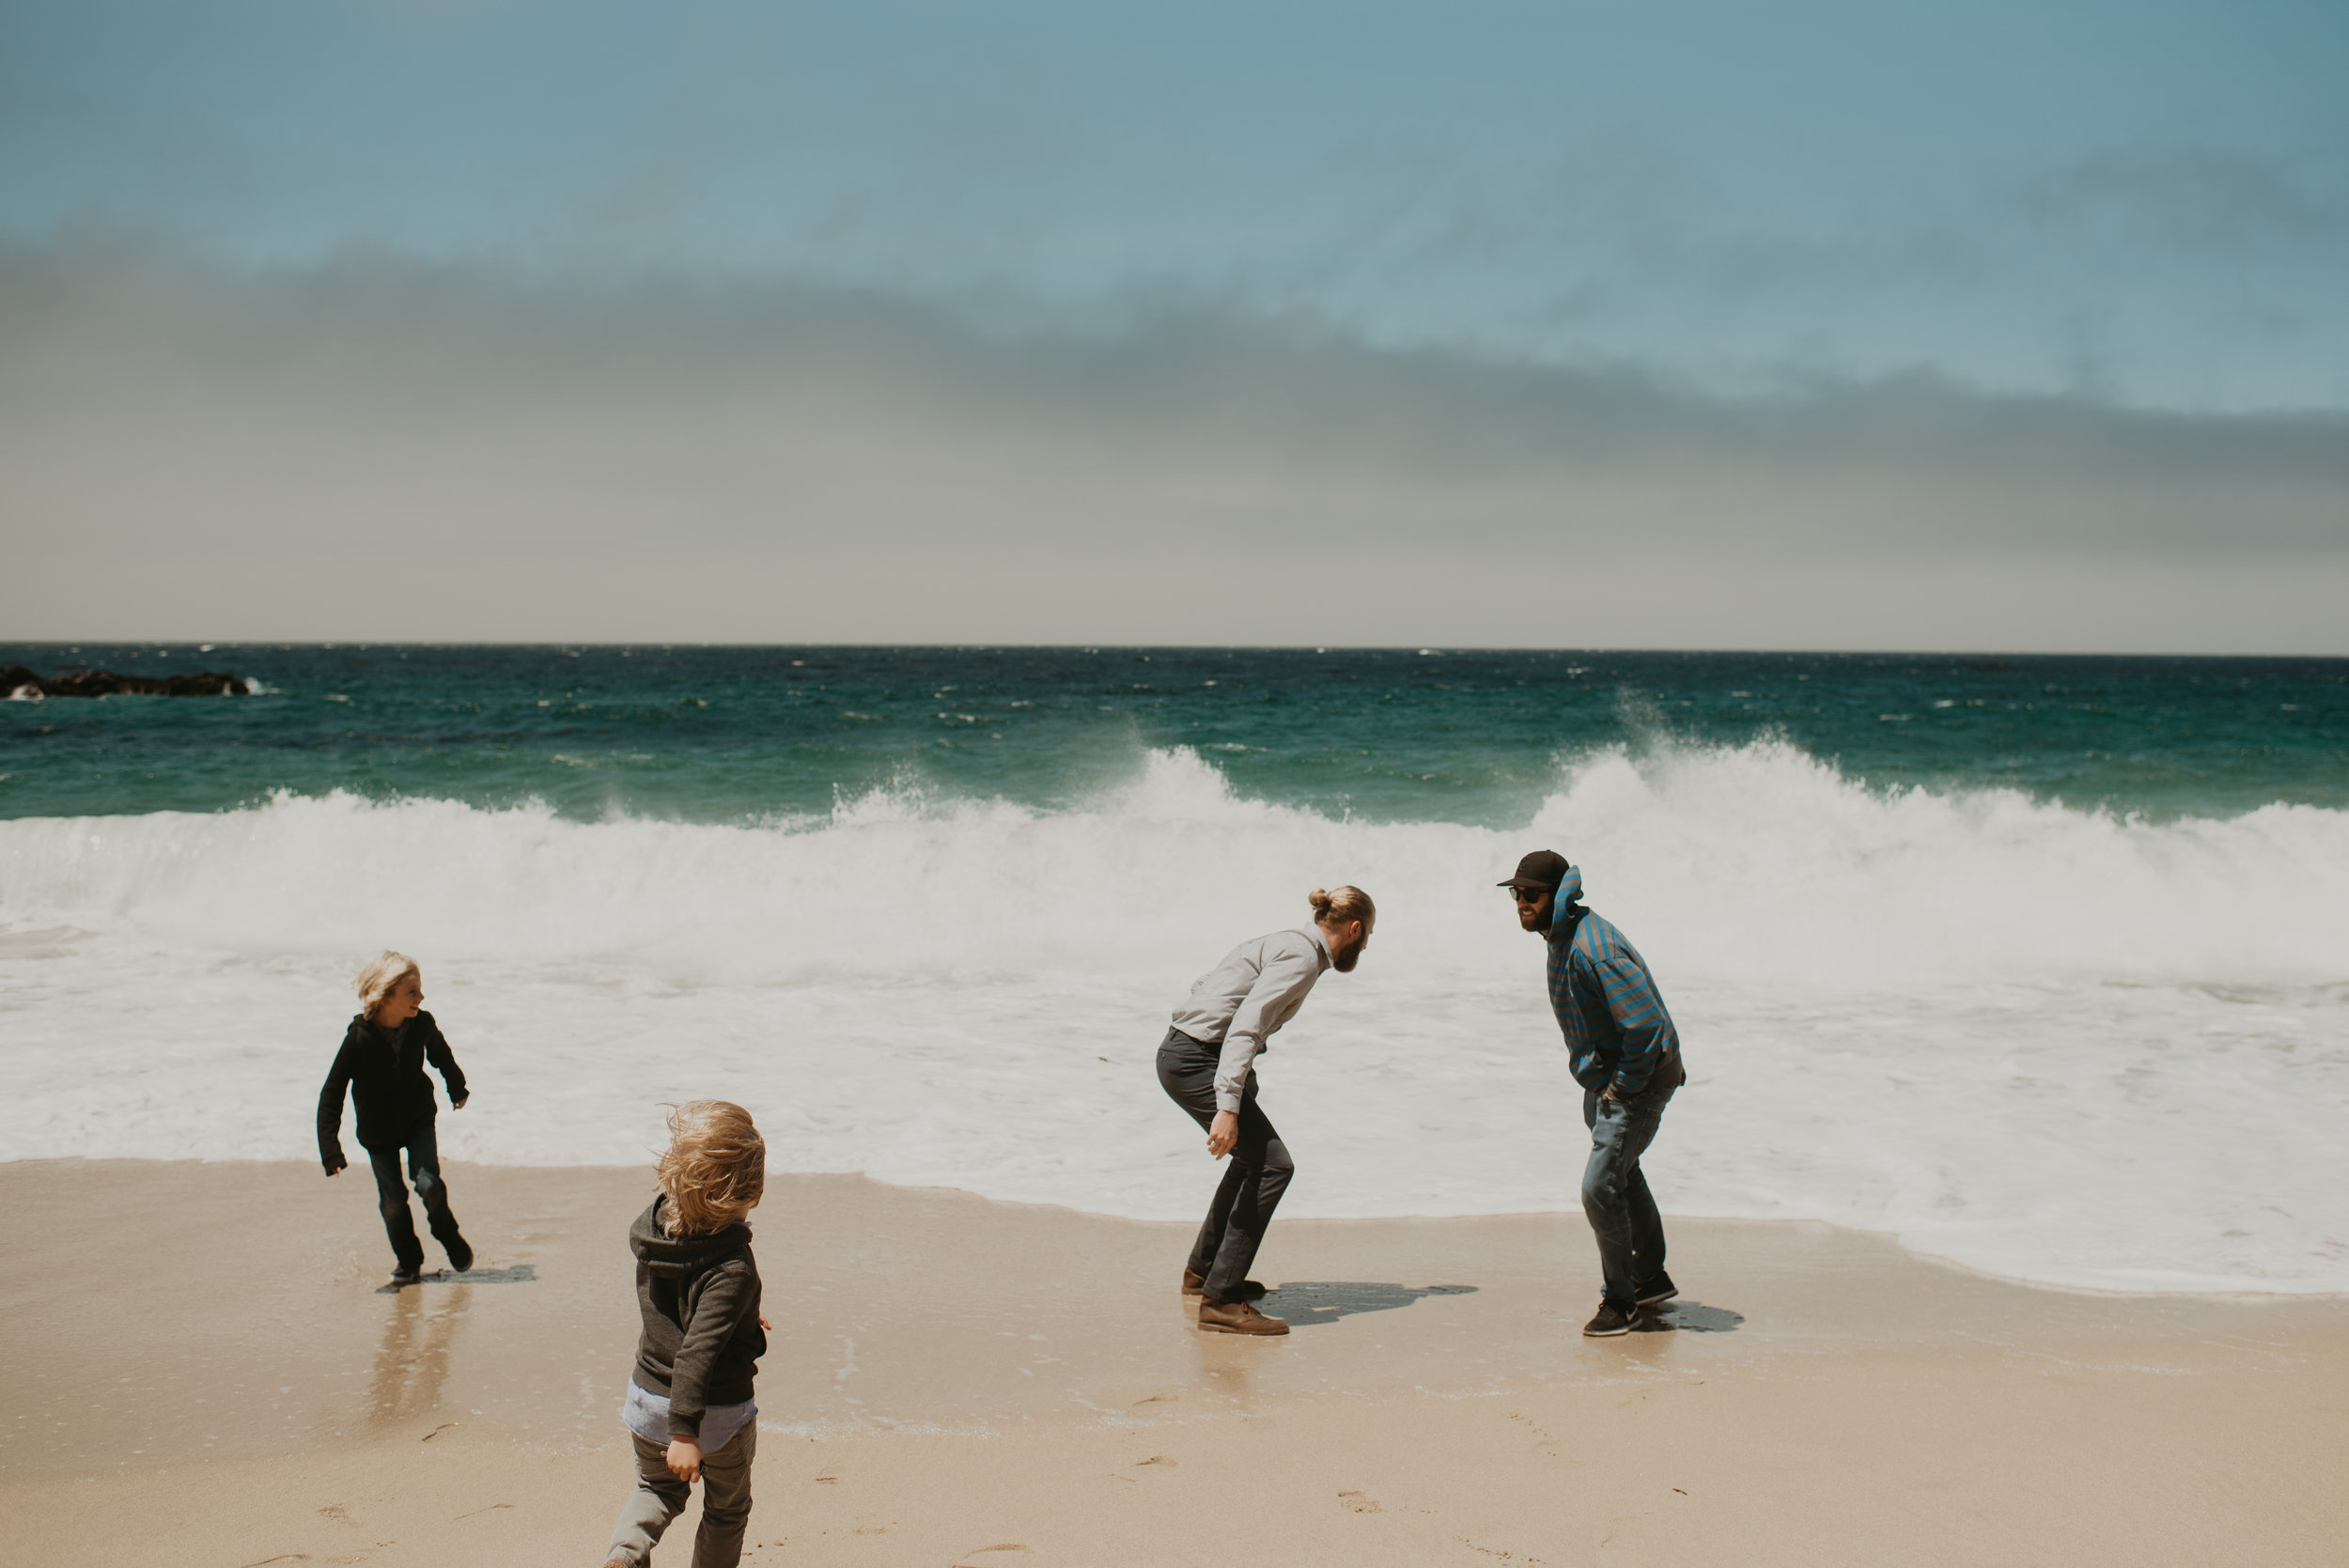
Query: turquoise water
column 718, row 735
column 2039, row 964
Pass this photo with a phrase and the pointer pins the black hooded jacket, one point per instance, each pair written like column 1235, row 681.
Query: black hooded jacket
column 384, row 1070
column 699, row 1297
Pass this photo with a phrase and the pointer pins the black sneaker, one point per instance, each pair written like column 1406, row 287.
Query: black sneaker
column 406, row 1276
column 1656, row 1287
column 1611, row 1320
column 460, row 1254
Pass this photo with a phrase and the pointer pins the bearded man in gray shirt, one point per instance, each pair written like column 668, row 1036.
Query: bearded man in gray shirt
column 1206, row 1065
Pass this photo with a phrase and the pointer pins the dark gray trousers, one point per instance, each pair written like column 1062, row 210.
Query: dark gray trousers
column 423, row 1169
column 659, row 1498
column 1255, row 1173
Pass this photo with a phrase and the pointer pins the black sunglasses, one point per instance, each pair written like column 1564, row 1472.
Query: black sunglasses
column 1530, row 896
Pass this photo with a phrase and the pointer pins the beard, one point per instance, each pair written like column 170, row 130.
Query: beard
column 1343, row 959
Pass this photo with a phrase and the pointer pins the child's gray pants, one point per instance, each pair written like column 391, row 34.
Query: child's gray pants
column 659, row 1498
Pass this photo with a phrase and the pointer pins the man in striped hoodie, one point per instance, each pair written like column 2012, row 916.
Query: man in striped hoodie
column 1621, row 1049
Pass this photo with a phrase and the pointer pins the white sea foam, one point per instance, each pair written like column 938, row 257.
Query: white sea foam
column 2039, row 1041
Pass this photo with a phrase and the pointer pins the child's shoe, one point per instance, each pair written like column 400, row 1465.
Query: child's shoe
column 459, row 1253
column 403, row 1275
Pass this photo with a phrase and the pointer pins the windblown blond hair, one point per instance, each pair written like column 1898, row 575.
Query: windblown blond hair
column 715, row 1170
column 1342, row 904
column 377, row 980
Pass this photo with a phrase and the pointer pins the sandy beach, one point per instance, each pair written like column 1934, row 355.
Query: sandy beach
column 208, row 1371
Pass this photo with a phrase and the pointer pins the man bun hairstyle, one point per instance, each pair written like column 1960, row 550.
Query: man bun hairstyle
column 375, row 981
column 1342, row 904
column 715, row 1170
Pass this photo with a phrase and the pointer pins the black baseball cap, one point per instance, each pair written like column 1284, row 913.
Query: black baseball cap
column 1542, row 868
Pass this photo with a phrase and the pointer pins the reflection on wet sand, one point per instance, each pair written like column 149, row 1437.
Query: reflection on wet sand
column 1227, row 1363
column 411, row 1364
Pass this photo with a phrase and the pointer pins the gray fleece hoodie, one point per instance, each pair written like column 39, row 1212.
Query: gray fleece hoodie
column 699, row 1296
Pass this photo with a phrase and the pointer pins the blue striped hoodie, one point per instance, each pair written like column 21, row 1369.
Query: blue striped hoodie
column 1614, row 1018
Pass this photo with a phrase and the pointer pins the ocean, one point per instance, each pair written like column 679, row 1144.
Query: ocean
column 2039, row 964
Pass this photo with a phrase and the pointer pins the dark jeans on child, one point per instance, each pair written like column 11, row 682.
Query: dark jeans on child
column 1256, row 1173
column 659, row 1498
column 1615, row 1197
column 423, row 1169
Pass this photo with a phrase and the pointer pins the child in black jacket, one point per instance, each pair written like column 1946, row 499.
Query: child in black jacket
column 689, row 1410
column 382, row 1065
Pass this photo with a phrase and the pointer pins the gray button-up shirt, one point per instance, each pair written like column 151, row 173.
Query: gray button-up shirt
column 1242, row 1002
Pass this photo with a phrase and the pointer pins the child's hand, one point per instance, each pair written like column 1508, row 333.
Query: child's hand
column 764, row 1323
column 459, row 1104
column 685, row 1459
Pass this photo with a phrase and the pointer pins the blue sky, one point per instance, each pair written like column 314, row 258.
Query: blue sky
column 2146, row 203
column 1831, row 325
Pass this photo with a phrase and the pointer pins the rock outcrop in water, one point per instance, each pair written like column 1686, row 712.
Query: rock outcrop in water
column 20, row 682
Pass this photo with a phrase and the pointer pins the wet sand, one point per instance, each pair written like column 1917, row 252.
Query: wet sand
column 207, row 1370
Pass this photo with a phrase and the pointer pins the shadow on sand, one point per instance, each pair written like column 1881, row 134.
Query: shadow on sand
column 1306, row 1302
column 516, row 1273
column 1689, row 1317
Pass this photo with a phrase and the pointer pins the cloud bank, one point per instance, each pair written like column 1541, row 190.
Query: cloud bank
column 380, row 450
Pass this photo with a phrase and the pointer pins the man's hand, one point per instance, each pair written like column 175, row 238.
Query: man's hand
column 685, row 1459
column 1225, row 1133
column 458, row 1103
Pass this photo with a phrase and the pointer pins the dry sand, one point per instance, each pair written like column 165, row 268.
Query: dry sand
column 203, row 1370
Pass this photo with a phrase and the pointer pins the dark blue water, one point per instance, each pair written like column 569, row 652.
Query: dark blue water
column 732, row 734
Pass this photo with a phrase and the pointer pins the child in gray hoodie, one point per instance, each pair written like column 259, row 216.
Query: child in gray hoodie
column 689, row 1412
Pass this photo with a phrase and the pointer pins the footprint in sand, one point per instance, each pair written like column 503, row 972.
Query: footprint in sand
column 1155, row 1459
column 1359, row 1503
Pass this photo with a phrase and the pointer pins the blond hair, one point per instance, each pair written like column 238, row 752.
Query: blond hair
column 1341, row 904
column 715, row 1170
column 377, row 979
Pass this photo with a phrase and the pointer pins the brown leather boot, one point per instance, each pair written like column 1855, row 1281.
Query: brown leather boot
column 1196, row 1285
column 1235, row 1317
column 1193, row 1285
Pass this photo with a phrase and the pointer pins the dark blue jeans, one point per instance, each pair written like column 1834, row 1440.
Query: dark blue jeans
column 1255, row 1173
column 1615, row 1197
column 423, row 1169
